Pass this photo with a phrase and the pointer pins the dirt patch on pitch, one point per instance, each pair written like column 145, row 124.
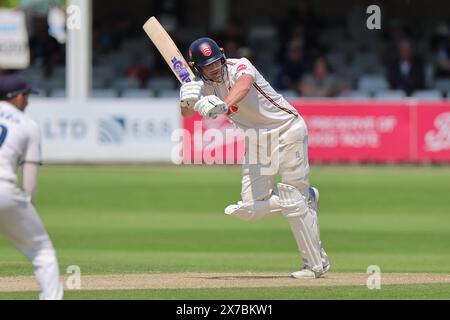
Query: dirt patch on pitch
column 221, row 280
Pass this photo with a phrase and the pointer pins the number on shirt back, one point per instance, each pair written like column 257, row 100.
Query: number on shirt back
column 3, row 134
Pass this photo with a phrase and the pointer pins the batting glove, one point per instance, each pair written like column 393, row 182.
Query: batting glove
column 210, row 107
column 190, row 93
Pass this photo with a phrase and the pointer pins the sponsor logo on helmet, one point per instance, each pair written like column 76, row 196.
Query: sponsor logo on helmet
column 180, row 70
column 205, row 48
column 241, row 67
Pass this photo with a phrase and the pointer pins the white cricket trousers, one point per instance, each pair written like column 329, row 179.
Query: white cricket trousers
column 289, row 159
column 21, row 225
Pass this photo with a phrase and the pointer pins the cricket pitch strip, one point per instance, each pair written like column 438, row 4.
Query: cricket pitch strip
column 221, row 280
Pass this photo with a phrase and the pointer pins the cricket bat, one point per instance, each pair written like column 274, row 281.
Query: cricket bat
column 168, row 49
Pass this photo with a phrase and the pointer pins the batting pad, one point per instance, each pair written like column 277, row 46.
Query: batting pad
column 303, row 224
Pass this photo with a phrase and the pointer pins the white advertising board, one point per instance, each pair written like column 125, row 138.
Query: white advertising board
column 14, row 50
column 106, row 130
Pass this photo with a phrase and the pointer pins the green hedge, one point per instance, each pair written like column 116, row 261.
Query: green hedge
column 9, row 3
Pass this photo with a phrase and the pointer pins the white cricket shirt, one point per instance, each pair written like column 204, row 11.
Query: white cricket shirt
column 261, row 108
column 19, row 141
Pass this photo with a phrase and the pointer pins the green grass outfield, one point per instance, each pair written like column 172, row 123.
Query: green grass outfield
column 147, row 219
column 389, row 292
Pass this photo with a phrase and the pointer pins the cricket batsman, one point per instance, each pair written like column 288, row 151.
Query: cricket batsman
column 233, row 87
column 19, row 221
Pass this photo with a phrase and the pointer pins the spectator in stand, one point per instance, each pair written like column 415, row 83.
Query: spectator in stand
column 103, row 41
column 171, row 14
column 246, row 52
column 441, row 47
column 321, row 82
column 443, row 61
column 293, row 68
column 44, row 49
column 301, row 23
column 138, row 71
column 406, row 72
column 232, row 33
column 304, row 11
column 396, row 33
column 231, row 48
column 296, row 33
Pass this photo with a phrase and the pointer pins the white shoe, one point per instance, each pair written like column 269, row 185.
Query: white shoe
column 307, row 273
column 303, row 274
column 326, row 265
column 231, row 209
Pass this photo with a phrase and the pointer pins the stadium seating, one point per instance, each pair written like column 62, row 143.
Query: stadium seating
column 337, row 60
column 428, row 94
column 126, row 83
column 442, row 84
column 372, row 83
column 104, row 72
column 355, row 57
column 389, row 95
column 161, row 83
column 366, row 61
column 355, row 94
column 58, row 93
column 137, row 93
column 104, row 93
column 100, row 83
column 289, row 94
column 168, row 94
column 52, row 83
column 59, row 72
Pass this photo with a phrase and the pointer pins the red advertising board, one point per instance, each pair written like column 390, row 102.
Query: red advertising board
column 342, row 131
column 433, row 132
column 212, row 141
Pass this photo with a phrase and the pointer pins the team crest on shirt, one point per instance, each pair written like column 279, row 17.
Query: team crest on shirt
column 205, row 48
column 241, row 67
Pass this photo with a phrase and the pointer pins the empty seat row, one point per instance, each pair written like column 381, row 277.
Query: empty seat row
column 431, row 95
column 112, row 93
column 379, row 82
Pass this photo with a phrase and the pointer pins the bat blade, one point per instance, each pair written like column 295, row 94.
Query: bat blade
column 168, row 50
